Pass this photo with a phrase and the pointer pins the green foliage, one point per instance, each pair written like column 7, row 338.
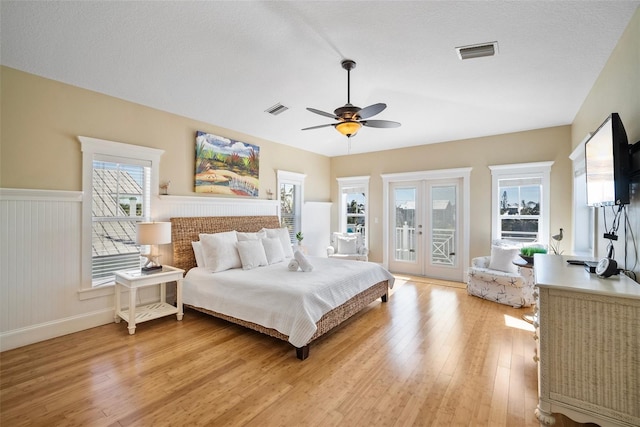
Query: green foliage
column 299, row 236
column 530, row 250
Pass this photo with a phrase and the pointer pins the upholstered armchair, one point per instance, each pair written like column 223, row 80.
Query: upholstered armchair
column 347, row 246
column 497, row 278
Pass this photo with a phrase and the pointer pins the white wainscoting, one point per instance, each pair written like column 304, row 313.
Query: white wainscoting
column 40, row 256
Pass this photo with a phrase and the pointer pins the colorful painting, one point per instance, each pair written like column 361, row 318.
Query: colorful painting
column 226, row 166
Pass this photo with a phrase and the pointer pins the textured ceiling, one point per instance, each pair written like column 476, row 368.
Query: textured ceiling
column 224, row 63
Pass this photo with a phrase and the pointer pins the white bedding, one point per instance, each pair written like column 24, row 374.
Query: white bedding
column 274, row 297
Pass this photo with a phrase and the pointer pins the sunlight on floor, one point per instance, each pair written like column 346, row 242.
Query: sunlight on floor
column 402, row 279
column 514, row 322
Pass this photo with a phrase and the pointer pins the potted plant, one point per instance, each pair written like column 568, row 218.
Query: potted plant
column 299, row 237
column 527, row 253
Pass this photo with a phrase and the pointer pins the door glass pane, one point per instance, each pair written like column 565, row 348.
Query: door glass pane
column 443, row 224
column 405, row 227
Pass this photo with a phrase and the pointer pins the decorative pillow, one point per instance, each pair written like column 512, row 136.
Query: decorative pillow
column 251, row 236
column 285, row 240
column 273, row 250
column 220, row 251
column 197, row 252
column 252, row 254
column 347, row 245
column 502, row 259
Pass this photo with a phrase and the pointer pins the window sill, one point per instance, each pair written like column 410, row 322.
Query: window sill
column 98, row 292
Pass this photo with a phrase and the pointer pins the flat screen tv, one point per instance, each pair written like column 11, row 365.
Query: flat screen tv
column 607, row 164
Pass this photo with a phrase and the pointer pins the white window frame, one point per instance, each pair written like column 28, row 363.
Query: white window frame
column 540, row 170
column 353, row 184
column 297, row 180
column 96, row 149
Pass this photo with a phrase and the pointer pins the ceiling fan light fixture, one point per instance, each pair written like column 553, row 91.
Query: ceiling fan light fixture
column 348, row 128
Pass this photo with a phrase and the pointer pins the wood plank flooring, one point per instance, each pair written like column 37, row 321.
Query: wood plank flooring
column 432, row 355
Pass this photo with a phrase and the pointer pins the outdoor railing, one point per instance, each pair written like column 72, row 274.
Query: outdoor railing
column 442, row 246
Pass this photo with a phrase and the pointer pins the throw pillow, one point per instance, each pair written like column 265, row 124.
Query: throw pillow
column 252, row 254
column 285, row 240
column 220, row 251
column 273, row 250
column 502, row 259
column 251, row 236
column 197, row 252
column 347, row 245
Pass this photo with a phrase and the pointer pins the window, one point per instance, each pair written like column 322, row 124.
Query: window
column 353, row 207
column 520, row 201
column 291, row 196
column 117, row 183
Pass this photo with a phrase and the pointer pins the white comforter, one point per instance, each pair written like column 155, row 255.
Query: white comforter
column 274, row 297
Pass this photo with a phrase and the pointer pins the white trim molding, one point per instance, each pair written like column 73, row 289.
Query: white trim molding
column 40, row 195
column 93, row 148
column 540, row 170
column 353, row 182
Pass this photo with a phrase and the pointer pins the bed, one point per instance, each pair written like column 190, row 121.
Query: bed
column 186, row 230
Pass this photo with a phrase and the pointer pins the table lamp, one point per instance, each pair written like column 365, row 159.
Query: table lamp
column 152, row 234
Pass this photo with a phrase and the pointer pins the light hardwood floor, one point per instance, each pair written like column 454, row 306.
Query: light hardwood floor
column 432, row 355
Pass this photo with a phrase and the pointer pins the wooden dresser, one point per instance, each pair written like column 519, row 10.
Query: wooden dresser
column 588, row 332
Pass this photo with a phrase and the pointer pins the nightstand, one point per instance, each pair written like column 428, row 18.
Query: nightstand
column 132, row 280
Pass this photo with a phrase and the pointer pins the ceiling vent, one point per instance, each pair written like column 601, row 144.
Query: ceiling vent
column 276, row 109
column 477, row 50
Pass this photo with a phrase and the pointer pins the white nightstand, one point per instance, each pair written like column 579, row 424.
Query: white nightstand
column 134, row 279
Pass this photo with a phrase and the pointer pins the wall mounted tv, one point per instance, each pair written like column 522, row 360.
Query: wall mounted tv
column 607, row 164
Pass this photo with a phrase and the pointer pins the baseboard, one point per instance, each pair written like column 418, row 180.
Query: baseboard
column 44, row 331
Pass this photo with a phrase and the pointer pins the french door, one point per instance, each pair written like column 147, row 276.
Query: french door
column 425, row 228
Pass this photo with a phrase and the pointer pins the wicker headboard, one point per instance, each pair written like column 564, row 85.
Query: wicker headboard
column 185, row 230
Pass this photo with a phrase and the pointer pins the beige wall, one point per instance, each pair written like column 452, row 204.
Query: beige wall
column 478, row 153
column 617, row 89
column 42, row 118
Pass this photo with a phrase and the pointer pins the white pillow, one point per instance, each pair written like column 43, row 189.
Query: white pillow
column 502, row 259
column 251, row 236
column 347, row 245
column 252, row 254
column 197, row 252
column 283, row 235
column 220, row 251
column 273, row 250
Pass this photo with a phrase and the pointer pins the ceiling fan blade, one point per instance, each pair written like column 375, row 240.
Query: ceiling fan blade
column 371, row 110
column 319, row 126
column 380, row 123
column 323, row 113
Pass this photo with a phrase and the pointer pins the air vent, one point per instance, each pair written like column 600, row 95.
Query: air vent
column 276, row 109
column 477, row 50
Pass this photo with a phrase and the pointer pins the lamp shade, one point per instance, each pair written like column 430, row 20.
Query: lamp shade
column 153, row 233
column 348, row 128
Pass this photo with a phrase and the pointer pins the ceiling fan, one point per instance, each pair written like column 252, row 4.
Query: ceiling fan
column 351, row 118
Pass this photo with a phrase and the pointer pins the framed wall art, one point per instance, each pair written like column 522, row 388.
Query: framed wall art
column 226, row 166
